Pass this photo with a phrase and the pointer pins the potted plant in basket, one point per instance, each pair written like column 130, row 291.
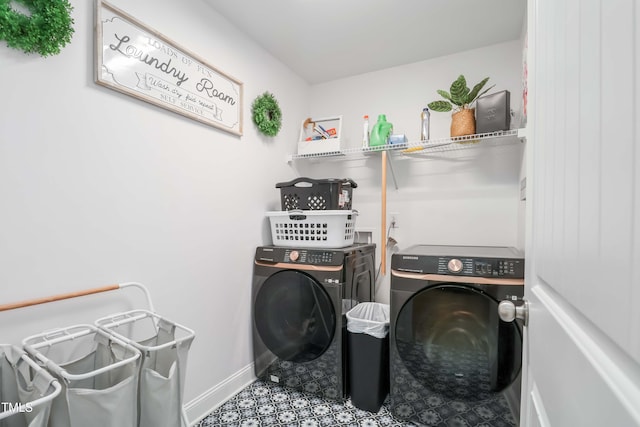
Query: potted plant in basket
column 463, row 121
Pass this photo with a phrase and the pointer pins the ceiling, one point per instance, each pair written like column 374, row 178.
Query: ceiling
column 324, row 40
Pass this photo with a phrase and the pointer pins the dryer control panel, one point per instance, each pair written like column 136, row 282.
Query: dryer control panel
column 481, row 267
column 461, row 261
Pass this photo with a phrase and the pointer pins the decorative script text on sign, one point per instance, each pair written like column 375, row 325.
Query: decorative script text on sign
column 138, row 61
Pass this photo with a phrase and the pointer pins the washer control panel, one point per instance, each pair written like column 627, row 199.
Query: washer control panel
column 320, row 257
column 305, row 256
column 481, row 267
column 299, row 256
column 473, row 261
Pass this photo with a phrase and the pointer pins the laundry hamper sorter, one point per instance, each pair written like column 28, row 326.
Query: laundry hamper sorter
column 98, row 373
column 164, row 346
column 26, row 390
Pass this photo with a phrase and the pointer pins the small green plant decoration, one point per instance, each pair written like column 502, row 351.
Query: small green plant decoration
column 459, row 95
column 266, row 114
column 48, row 27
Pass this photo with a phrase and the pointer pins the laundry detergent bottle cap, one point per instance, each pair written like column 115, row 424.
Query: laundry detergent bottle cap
column 380, row 132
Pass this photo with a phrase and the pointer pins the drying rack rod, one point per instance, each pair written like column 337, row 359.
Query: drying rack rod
column 69, row 295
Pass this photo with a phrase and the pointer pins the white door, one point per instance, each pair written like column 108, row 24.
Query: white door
column 582, row 347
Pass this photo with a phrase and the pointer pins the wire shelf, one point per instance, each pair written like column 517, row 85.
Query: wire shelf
column 423, row 148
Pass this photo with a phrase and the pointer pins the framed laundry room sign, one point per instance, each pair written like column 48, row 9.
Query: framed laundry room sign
column 138, row 61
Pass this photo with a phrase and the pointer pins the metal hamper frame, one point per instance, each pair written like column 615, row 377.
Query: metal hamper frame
column 164, row 346
column 29, row 389
column 151, row 352
column 98, row 372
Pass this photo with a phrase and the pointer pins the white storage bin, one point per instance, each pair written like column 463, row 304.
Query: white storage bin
column 307, row 146
column 313, row 229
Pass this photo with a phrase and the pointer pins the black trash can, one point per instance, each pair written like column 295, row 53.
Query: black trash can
column 368, row 330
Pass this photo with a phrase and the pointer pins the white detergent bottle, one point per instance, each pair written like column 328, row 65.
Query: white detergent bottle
column 365, row 132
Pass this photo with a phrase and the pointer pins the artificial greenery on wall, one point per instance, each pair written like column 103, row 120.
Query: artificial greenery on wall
column 266, row 114
column 45, row 30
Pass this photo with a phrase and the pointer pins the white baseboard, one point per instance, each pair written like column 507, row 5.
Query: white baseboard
column 207, row 402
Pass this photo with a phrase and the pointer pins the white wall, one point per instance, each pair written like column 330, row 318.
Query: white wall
column 468, row 197
column 99, row 188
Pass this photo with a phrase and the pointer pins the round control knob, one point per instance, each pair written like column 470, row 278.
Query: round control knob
column 454, row 265
column 294, row 255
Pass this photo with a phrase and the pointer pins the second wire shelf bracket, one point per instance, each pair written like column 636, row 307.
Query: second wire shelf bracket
column 423, row 148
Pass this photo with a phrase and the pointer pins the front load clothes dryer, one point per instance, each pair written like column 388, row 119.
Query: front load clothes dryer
column 300, row 299
column 452, row 360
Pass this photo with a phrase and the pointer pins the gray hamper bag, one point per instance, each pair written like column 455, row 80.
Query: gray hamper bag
column 164, row 346
column 26, row 387
column 99, row 374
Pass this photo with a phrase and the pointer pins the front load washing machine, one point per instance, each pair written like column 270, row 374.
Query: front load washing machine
column 300, row 299
column 452, row 360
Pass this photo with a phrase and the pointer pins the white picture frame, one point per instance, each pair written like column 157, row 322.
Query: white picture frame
column 136, row 60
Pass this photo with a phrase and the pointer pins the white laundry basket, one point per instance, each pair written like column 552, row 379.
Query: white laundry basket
column 164, row 346
column 98, row 373
column 313, row 229
column 26, row 390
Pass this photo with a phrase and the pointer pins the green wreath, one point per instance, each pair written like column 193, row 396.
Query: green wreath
column 45, row 31
column 266, row 114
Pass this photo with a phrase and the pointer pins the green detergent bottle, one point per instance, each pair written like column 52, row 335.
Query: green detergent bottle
column 380, row 132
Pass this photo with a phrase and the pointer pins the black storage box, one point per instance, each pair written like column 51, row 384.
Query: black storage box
column 493, row 112
column 316, row 194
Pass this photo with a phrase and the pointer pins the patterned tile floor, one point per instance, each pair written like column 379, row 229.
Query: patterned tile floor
column 268, row 404
column 430, row 395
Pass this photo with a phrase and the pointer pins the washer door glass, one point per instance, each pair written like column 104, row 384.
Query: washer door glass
column 452, row 341
column 294, row 316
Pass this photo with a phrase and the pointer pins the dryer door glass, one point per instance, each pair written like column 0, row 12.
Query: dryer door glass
column 294, row 316
column 450, row 338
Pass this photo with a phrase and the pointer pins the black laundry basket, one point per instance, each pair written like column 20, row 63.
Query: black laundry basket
column 316, row 194
column 368, row 349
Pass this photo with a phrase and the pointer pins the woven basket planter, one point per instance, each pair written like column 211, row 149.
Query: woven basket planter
column 463, row 122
